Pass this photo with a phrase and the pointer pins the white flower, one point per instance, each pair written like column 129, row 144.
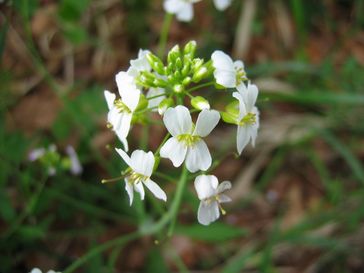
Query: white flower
column 37, row 270
column 157, row 95
column 182, row 8
column 248, row 119
column 211, row 195
column 140, row 169
column 121, row 110
column 228, row 73
column 222, row 4
column 76, row 167
column 186, row 141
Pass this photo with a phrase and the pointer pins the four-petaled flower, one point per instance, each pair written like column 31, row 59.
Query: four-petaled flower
column 248, row 119
column 228, row 73
column 186, row 141
column 211, row 195
column 121, row 110
column 140, row 169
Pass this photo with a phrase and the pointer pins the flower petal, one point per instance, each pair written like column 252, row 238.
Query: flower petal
column 110, row 98
column 139, row 188
column 226, row 185
column 242, row 108
column 142, row 162
column 223, row 198
column 76, row 167
column 222, row 4
column 178, row 120
column 172, row 6
column 155, row 189
column 129, row 189
column 249, row 95
column 152, row 103
column 141, row 63
column 206, row 122
column 124, row 156
column 124, row 81
column 198, row 157
column 174, row 151
column 123, row 126
column 185, row 14
column 131, row 97
column 36, row 270
column 207, row 213
column 242, row 138
column 205, row 186
column 224, row 73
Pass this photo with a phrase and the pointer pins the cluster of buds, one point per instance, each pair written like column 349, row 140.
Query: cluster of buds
column 166, row 85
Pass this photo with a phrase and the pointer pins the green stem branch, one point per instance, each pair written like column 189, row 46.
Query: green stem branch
column 164, row 34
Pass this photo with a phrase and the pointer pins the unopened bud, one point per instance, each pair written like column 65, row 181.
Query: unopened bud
column 200, row 103
column 173, row 54
column 186, row 81
column 164, row 105
column 190, row 48
column 229, row 117
column 178, row 88
column 160, row 83
column 155, row 63
column 200, row 74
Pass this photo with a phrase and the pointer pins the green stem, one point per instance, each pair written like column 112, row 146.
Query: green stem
column 177, row 199
column 164, row 34
column 199, row 86
column 161, row 145
column 148, row 230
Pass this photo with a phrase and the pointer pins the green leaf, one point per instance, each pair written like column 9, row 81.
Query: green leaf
column 213, row 233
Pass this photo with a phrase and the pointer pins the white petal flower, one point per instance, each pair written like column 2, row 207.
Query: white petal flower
column 222, row 4
column 36, row 154
column 186, row 142
column 248, row 120
column 211, row 195
column 155, row 96
column 183, row 9
column 121, row 110
column 228, row 73
column 139, row 172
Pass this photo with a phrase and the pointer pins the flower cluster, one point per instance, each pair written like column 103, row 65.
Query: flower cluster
column 53, row 161
column 150, row 85
column 183, row 9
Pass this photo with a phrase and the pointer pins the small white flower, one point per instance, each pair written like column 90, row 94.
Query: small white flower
column 157, row 95
column 140, row 170
column 76, row 167
column 228, row 73
column 37, row 270
column 211, row 195
column 248, row 119
column 36, row 154
column 121, row 110
column 182, row 8
column 186, row 141
column 222, row 4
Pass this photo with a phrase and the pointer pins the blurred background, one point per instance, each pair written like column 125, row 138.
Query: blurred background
column 298, row 196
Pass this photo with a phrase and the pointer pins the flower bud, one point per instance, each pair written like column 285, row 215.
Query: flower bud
column 229, row 118
column 179, row 63
column 178, row 88
column 190, row 49
column 200, row 103
column 164, row 105
column 199, row 74
column 173, row 54
column 186, row 81
column 155, row 63
column 160, row 83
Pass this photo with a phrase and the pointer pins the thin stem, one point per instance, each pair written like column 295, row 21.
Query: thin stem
column 162, row 143
column 156, row 96
column 178, row 197
column 164, row 34
column 199, row 86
